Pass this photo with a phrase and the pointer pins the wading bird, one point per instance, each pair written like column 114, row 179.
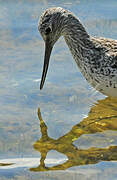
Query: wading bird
column 95, row 57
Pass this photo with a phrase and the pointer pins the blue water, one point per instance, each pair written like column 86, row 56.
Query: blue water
column 66, row 98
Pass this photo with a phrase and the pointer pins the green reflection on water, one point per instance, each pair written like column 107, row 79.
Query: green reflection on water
column 102, row 117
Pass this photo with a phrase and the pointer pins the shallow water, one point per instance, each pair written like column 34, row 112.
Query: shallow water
column 67, row 130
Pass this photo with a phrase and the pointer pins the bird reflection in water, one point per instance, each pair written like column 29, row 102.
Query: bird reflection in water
column 102, row 117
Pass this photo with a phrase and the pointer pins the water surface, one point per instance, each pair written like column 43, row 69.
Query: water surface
column 67, row 130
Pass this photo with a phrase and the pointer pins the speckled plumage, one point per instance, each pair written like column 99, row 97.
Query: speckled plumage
column 96, row 57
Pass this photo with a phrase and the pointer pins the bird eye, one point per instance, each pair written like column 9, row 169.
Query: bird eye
column 47, row 30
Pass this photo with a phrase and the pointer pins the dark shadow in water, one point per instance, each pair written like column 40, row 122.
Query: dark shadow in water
column 102, row 117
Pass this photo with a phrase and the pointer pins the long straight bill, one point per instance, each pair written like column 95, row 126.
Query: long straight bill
column 48, row 50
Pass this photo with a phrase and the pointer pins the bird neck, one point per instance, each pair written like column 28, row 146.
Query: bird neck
column 77, row 40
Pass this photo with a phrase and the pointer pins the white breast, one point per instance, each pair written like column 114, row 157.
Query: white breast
column 108, row 91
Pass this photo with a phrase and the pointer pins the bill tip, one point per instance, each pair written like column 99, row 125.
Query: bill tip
column 41, row 87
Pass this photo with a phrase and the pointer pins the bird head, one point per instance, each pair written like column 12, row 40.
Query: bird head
column 50, row 28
